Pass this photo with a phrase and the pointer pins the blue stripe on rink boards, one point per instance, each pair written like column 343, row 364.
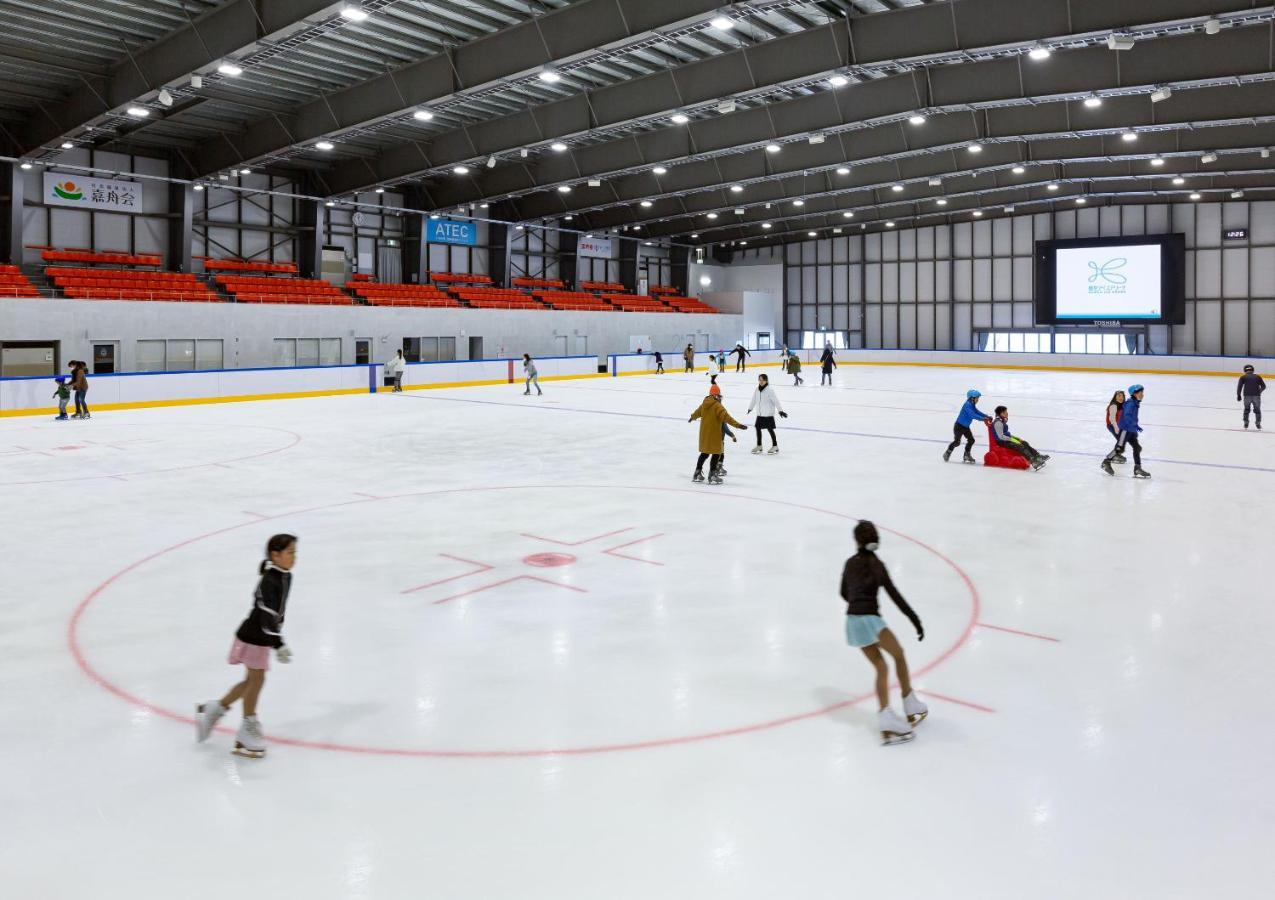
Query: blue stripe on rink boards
column 371, row 378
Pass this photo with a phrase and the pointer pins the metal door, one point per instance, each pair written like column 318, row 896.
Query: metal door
column 582, row 345
column 560, row 344
column 475, row 348
column 104, row 358
column 362, row 351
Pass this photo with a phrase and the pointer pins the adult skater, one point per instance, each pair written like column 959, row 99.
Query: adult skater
column 827, row 363
column 529, row 370
column 767, row 404
column 394, row 370
column 688, row 357
column 742, row 353
column 80, row 384
column 1000, row 428
column 659, row 363
column 969, row 412
column 712, row 417
column 1113, row 422
column 794, row 369
column 1129, row 431
column 259, row 633
column 863, row 574
column 1251, row 386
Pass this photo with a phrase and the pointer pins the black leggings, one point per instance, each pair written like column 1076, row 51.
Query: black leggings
column 712, row 466
column 1132, row 440
column 740, row 366
column 766, row 423
column 961, row 431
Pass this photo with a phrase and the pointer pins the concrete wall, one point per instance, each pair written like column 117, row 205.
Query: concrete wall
column 248, row 331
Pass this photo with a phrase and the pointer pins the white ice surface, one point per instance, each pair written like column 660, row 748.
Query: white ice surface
column 676, row 718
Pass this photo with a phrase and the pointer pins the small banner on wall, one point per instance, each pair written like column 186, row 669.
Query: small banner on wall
column 92, row 193
column 449, row 231
column 590, row 246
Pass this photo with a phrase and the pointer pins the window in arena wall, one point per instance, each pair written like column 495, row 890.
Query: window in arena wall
column 307, row 351
column 181, row 356
column 446, row 348
column 330, row 352
column 285, row 351
column 208, row 354
column 150, row 356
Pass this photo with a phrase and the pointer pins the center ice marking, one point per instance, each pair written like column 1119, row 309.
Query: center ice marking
column 549, row 560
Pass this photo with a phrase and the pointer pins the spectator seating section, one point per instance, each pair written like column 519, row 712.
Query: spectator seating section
column 610, row 286
column 130, row 284
column 656, row 290
column 458, row 278
column 998, row 457
column 497, row 298
column 14, row 284
column 89, row 257
column 573, row 300
column 247, row 265
column 689, row 305
column 359, row 278
column 553, row 284
column 250, row 289
column 403, row 295
column 635, row 303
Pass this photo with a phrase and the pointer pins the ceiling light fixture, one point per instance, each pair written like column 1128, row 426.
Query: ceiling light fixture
column 637, row 227
column 1265, row 152
column 1157, row 161
column 1093, row 100
column 138, row 112
column 245, row 171
column 198, row 188
column 739, row 210
column 679, row 118
column 726, row 106
column 772, row 148
column 941, row 201
column 1212, row 26
column 694, row 235
column 767, row 225
column 1179, row 181
column 1018, row 170
column 1009, row 209
column 24, row 165
column 843, row 170
column 817, row 139
column 811, row 233
column 722, row 23
column 482, row 205
column 660, row 170
column 491, row 162
column 936, row 182
column 897, row 188
column 1129, row 136
column 229, row 69
column 838, row 81
column 917, row 119
column 353, row 13
column 558, row 147
column 380, row 190
column 978, row 213
column 165, row 98
column 1209, row 158
column 1051, row 187
column 712, row 215
column 460, row 170
column 889, row 224
column 799, row 203
column 1237, row 195
column 1120, row 42
column 646, row 204
column 564, row 189
column 422, row 115
column 1081, row 201
column 1195, row 196
column 329, row 204
column 847, row 215
column 975, row 148
column 567, row 218
column 549, row 76
column 323, row 145
column 197, row 81
column 1159, row 95
column 67, row 145
column 1039, row 53
column 736, row 188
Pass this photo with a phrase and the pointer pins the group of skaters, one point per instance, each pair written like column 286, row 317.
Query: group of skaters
column 715, row 424
column 77, row 384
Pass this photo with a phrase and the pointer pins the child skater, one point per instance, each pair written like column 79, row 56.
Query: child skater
column 1129, row 431
column 767, row 404
column 794, row 369
column 863, row 574
column 712, row 415
column 659, row 363
column 261, row 631
column 1113, row 422
column 1000, row 428
column 969, row 412
column 63, row 393
column 1251, row 385
column 529, row 369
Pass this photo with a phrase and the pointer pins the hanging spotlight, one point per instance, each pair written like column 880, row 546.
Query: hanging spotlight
column 1212, row 26
column 138, row 112
column 766, row 225
column 1081, row 201
column 843, row 171
column 1179, row 181
column 323, row 145
column 353, row 13
column 1018, row 170
column 1157, row 161
column 647, row 204
column 936, row 182
column 491, row 162
column 978, row 213
column 941, row 201
column 558, row 147
column 165, row 98
column 25, row 166
column 67, row 145
column 1209, row 158
column 230, row 70
column 799, row 203
column 847, row 215
column 659, row 170
column 1093, row 100
column 838, row 81
column 897, row 188
column 549, row 76
column 1159, row 95
column 917, row 119
column 460, row 170
column 1237, row 195
column 380, row 190
column 889, row 224
column 679, row 118
column 811, row 234
column 422, row 115
column 975, row 148
column 773, row 148
column 712, row 215
column 1051, row 187
column 1195, row 196
column 564, row 189
column 1039, row 53
column 722, row 23
column 198, row 188
column 736, row 188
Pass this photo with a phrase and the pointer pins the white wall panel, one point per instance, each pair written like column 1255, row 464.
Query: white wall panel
column 1208, row 224
column 823, row 283
column 925, row 281
column 1003, row 278
column 1208, row 274
column 961, row 325
column 840, row 284
column 1087, row 222
column 982, row 238
column 962, row 279
column 1262, row 317
column 1208, row 326
column 982, row 279
column 925, row 243
column 1024, row 284
column 872, row 248
column 1024, row 243
column 962, row 240
column 1133, row 220
column 1235, row 272
column 890, row 246
column 942, row 326
column 942, row 242
column 1235, row 327
column 872, row 283
column 1159, row 219
column 925, row 326
column 1262, row 271
column 907, row 327
column 907, row 282
column 1262, row 222
column 889, row 326
column 1109, row 221
column 907, row 244
column 890, row 283
column 872, row 327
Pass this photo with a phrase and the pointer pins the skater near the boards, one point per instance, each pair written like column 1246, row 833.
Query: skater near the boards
column 260, row 633
column 827, row 363
column 659, row 363
column 961, row 430
column 742, row 353
column 1129, row 431
column 1113, row 422
column 863, row 575
column 766, row 402
column 1251, row 386
column 688, row 359
column 529, row 370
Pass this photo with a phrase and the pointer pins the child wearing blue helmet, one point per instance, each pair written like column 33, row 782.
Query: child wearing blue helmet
column 969, row 412
column 1129, row 431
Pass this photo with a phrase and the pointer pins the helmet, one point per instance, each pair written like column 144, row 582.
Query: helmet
column 1134, row 388
column 1248, row 369
column 970, row 395
column 865, row 535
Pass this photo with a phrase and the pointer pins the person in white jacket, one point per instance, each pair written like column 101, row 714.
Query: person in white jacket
column 767, row 404
column 394, row 369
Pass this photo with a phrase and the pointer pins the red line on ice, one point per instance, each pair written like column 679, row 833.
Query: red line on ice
column 1030, row 634
column 488, row 587
column 482, row 567
column 536, row 537
column 612, row 551
column 946, row 699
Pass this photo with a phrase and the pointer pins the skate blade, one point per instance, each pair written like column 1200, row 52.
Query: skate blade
column 889, row 738
column 243, row 751
column 916, row 720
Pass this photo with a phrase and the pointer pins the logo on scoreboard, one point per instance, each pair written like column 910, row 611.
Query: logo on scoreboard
column 1106, row 278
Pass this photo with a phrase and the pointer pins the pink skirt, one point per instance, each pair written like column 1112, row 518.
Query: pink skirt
column 250, row 655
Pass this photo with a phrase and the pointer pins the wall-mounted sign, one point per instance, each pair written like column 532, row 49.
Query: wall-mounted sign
column 1235, row 234
column 592, row 246
column 449, row 231
column 92, row 193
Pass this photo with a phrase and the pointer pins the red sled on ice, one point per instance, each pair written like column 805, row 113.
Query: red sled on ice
column 998, row 456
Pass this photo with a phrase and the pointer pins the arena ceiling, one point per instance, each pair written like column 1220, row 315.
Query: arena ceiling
column 757, row 121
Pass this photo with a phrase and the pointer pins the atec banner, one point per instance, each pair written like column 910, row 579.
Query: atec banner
column 591, row 246
column 92, row 193
column 449, row 231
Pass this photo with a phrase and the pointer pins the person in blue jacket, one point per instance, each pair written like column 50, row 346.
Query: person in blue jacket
column 969, row 412
column 1129, row 431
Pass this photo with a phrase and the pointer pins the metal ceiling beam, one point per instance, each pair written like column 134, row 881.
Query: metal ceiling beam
column 910, row 33
column 223, row 31
column 526, row 47
column 983, row 100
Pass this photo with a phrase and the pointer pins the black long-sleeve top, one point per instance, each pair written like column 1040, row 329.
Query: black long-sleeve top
column 863, row 575
column 1250, row 385
column 264, row 625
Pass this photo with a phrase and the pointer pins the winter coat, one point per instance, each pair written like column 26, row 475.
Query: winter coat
column 395, row 366
column 1250, row 384
column 826, row 362
column 794, row 364
column 739, row 348
column 969, row 413
column 765, row 402
column 79, row 379
column 1129, row 417
column 1000, row 428
column 689, row 355
column 712, row 416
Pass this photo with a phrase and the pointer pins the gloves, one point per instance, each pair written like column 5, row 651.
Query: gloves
column 783, row 415
column 283, row 654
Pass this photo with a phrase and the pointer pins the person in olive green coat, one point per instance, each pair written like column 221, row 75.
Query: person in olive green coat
column 712, row 416
column 794, row 368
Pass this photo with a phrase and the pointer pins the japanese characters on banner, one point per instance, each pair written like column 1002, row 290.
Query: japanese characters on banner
column 103, row 194
column 591, row 246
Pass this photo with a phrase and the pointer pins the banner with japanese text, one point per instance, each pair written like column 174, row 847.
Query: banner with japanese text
column 104, row 194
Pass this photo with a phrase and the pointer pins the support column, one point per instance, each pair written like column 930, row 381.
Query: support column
column 498, row 238
column 679, row 258
column 12, row 184
column 181, row 214
column 415, row 238
column 568, row 260
column 628, row 265
column 312, row 220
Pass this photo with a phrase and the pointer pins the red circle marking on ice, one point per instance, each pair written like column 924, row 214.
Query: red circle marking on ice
column 549, row 560
column 73, row 640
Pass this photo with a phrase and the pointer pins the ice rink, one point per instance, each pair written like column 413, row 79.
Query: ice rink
column 533, row 660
